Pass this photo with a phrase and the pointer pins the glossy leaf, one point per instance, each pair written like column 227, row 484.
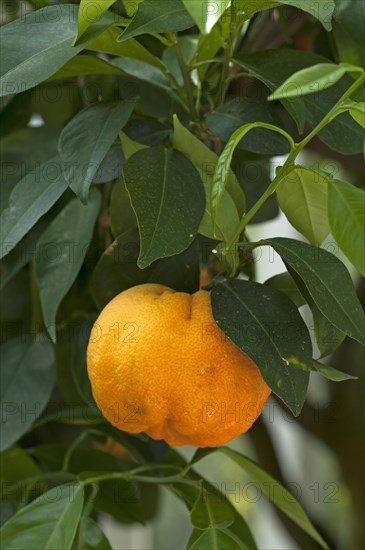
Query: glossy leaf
column 222, row 168
column 85, row 65
column 90, row 536
column 280, row 497
column 210, row 511
column 50, row 521
column 273, row 67
column 206, row 14
column 89, row 12
column 28, row 375
column 271, row 332
column 346, row 212
column 122, row 216
column 168, row 198
column 357, row 111
column 30, row 198
column 60, row 253
column 323, row 11
column 205, row 161
column 328, row 282
column 152, row 17
column 332, row 374
column 231, row 116
column 38, row 44
column 96, row 128
column 130, row 146
column 215, row 539
column 302, row 195
column 309, row 80
column 349, row 31
column 285, row 283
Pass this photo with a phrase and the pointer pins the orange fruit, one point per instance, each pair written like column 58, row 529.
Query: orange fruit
column 158, row 363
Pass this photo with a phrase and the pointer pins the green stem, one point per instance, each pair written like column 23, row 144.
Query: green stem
column 71, row 449
column 224, row 83
column 187, row 81
column 290, row 161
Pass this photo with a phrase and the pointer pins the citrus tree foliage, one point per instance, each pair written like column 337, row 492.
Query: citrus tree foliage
column 130, row 133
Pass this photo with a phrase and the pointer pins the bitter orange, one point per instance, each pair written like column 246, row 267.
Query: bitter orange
column 159, row 364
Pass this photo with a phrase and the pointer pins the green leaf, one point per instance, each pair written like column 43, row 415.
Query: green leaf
column 328, row 283
column 95, row 128
column 346, row 212
column 273, row 67
column 285, row 283
column 111, row 166
column 28, row 375
column 206, row 14
column 17, row 466
column 30, row 198
column 271, row 332
column 302, row 195
column 328, row 337
column 85, row 65
column 357, row 111
column 205, row 161
column 152, row 17
column 90, row 536
column 349, row 31
column 117, row 270
column 222, row 168
column 168, row 198
column 130, row 146
column 49, row 522
column 232, row 115
column 278, row 495
column 309, row 81
column 215, row 539
column 60, row 253
column 38, row 44
column 89, row 12
column 323, row 11
column 331, row 373
column 122, row 216
column 106, row 42
column 210, row 511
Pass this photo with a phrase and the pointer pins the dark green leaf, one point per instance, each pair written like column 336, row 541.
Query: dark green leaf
column 122, row 216
column 90, row 536
column 273, row 67
column 30, row 198
column 95, row 129
column 349, row 31
column 266, row 325
column 85, row 65
column 111, row 167
column 285, row 283
column 215, row 539
column 232, row 115
column 302, row 195
column 346, row 212
column 327, row 281
column 28, row 374
column 210, row 511
column 60, row 253
column 117, row 270
column 39, row 43
column 49, row 522
column 16, row 466
column 167, row 196
column 152, row 16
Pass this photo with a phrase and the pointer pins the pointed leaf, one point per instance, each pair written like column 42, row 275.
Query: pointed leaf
column 28, row 375
column 285, row 283
column 206, row 14
column 30, row 198
column 48, row 522
column 86, row 140
column 90, row 11
column 309, row 81
column 38, row 44
column 60, row 253
column 281, row 497
column 210, row 511
column 215, row 539
column 152, row 16
column 91, row 536
column 167, row 196
column 302, row 195
column 267, row 326
column 332, row 374
column 346, row 212
column 327, row 281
